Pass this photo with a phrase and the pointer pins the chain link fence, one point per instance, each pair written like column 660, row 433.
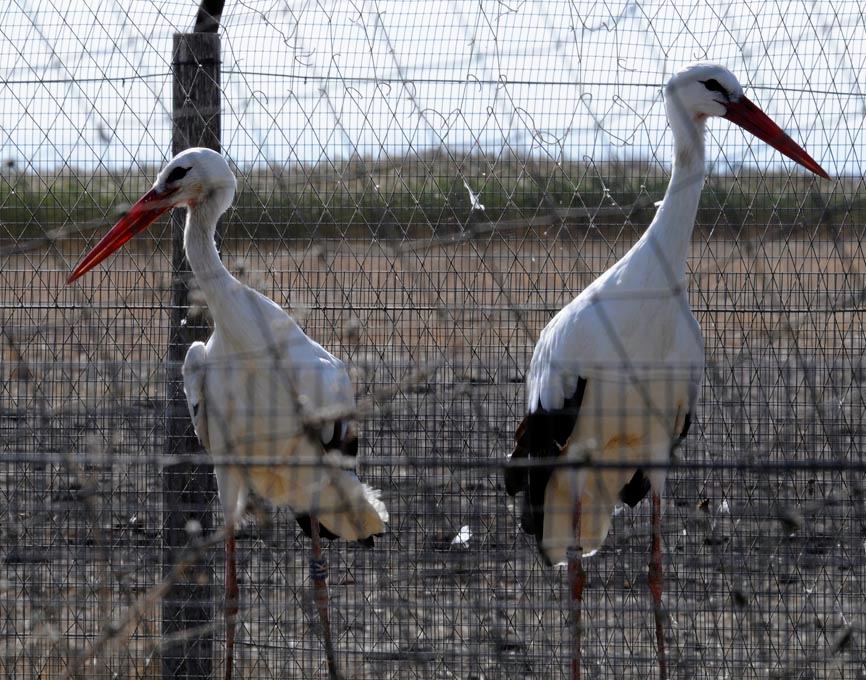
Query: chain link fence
column 423, row 185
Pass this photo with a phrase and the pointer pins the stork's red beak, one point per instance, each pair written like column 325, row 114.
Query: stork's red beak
column 744, row 113
column 140, row 216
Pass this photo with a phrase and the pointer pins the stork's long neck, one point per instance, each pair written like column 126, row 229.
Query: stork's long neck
column 669, row 235
column 204, row 258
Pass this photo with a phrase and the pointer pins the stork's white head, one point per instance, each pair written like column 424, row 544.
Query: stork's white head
column 198, row 179
column 704, row 90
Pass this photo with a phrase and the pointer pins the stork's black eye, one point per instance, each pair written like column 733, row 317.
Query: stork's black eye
column 177, row 174
column 714, row 85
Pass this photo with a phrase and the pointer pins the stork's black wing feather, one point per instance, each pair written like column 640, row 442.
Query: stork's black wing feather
column 639, row 485
column 687, row 423
column 542, row 434
column 344, row 442
column 347, row 443
column 636, row 489
column 306, row 526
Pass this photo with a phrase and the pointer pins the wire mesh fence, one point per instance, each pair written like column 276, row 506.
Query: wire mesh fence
column 423, row 186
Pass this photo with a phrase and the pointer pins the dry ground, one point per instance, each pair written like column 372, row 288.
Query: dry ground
column 766, row 562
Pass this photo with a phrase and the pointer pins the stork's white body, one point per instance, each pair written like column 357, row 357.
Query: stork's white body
column 249, row 389
column 632, row 337
column 252, row 385
column 615, row 374
column 272, row 406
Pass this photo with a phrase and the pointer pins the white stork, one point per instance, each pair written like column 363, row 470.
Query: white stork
column 256, row 384
column 615, row 375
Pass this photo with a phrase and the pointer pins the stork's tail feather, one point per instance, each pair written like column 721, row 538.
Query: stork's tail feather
column 598, row 493
column 344, row 506
column 354, row 512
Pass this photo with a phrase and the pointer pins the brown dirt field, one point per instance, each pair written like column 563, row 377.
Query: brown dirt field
column 766, row 566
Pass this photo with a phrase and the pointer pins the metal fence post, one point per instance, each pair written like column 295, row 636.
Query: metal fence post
column 188, row 490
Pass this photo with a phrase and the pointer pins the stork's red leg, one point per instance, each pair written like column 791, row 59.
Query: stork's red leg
column 231, row 604
column 319, row 574
column 655, row 581
column 577, row 580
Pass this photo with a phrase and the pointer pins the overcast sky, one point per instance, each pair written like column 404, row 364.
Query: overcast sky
column 89, row 83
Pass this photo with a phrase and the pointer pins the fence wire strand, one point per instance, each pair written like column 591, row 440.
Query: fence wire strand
column 423, row 186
